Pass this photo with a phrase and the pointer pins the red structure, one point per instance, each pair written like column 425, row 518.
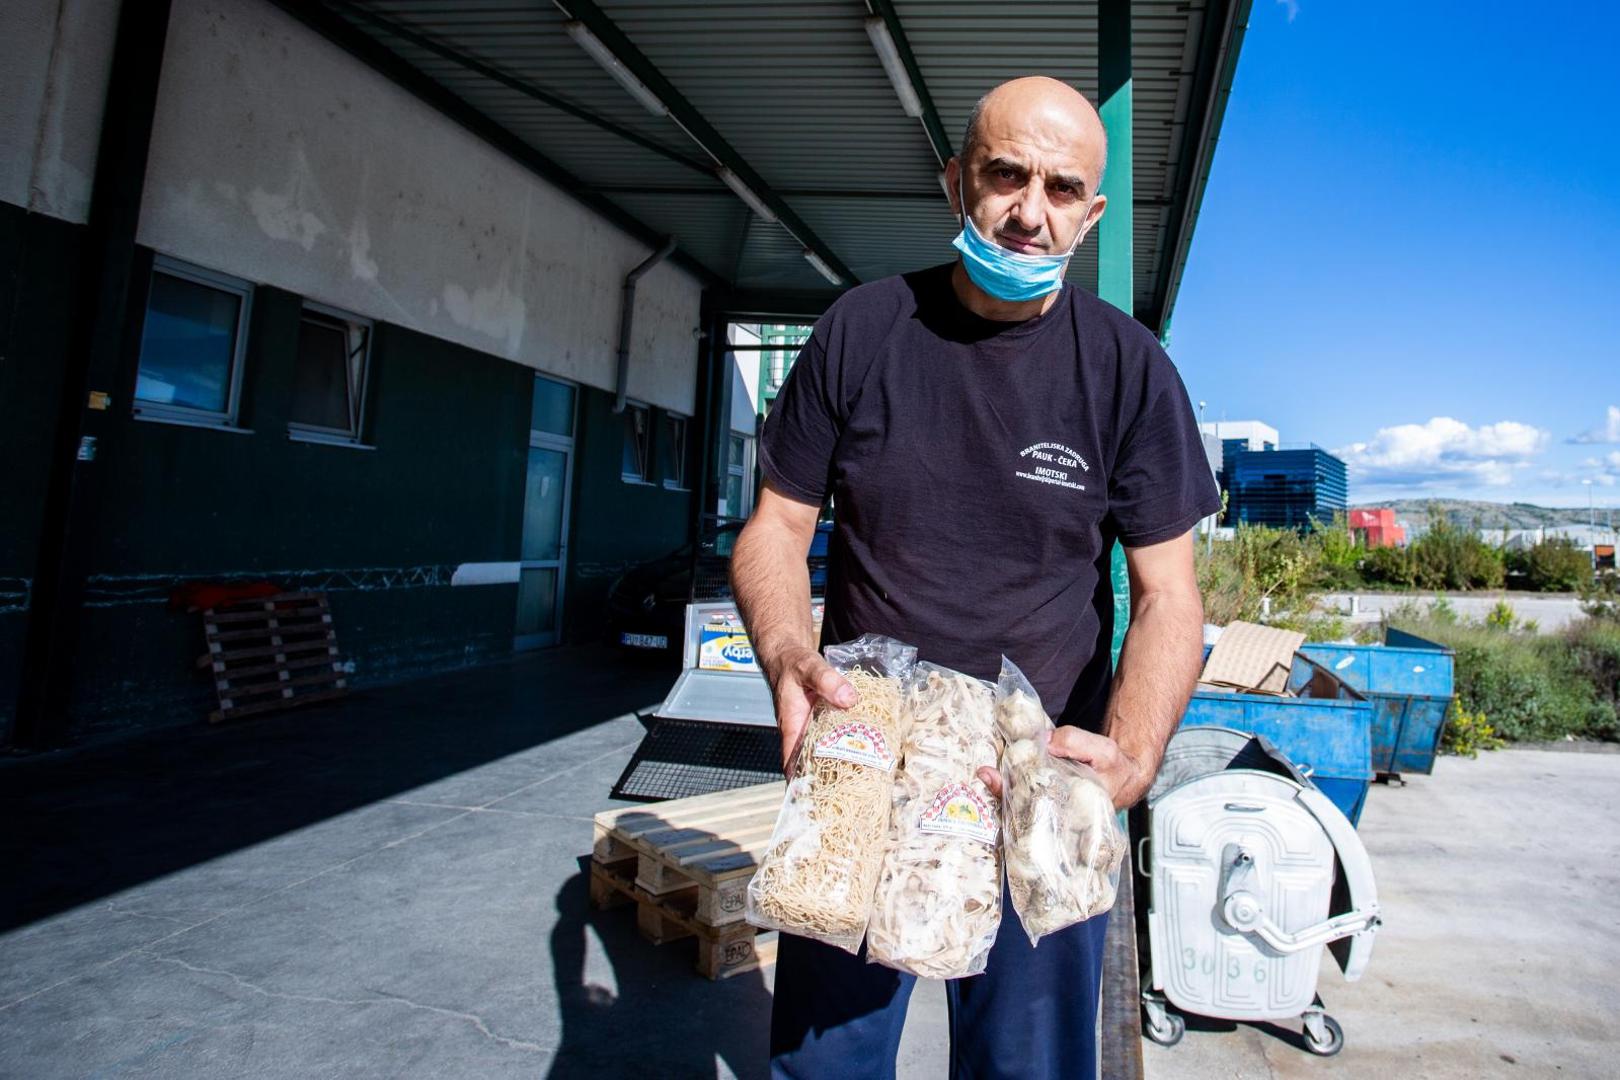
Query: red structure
column 1377, row 528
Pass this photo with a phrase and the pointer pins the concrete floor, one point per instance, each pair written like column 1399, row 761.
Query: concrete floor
column 394, row 887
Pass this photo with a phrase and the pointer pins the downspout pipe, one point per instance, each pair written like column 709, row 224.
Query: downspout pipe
column 627, row 317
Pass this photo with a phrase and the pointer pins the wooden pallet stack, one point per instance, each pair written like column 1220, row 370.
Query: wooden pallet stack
column 271, row 653
column 686, row 864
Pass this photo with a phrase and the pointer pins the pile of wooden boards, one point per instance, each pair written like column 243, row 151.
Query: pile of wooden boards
column 686, row 864
column 272, row 653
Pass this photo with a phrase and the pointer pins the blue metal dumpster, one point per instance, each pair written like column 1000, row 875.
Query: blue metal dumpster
column 1326, row 730
column 1410, row 682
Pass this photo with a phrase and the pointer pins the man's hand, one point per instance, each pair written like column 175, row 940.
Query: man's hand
column 1126, row 779
column 800, row 678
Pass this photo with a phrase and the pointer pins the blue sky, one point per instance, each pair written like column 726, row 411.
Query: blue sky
column 1409, row 249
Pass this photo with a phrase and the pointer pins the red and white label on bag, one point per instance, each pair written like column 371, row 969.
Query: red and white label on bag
column 861, row 744
column 958, row 810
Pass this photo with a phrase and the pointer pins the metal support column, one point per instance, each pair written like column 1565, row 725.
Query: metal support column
column 1116, row 280
column 1115, row 250
column 92, row 380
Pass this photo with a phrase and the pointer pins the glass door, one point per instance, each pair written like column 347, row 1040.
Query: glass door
column 544, row 554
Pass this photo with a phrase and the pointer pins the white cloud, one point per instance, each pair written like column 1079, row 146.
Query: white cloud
column 1446, row 452
column 1608, row 433
column 1292, row 7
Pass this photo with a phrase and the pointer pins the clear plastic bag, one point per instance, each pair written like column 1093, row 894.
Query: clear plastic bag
column 938, row 901
column 1062, row 843
column 818, row 874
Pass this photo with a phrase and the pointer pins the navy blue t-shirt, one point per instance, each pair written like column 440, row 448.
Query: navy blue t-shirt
column 981, row 472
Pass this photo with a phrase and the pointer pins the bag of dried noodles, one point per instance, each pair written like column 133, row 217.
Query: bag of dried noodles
column 938, row 902
column 1061, row 838
column 817, row 875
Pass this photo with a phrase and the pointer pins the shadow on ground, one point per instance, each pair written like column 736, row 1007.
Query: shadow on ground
column 88, row 823
column 658, row 1018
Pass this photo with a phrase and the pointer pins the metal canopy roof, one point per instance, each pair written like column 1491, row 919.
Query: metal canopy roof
column 792, row 97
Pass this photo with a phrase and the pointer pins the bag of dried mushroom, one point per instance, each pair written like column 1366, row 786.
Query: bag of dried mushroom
column 938, row 902
column 817, row 876
column 1061, row 839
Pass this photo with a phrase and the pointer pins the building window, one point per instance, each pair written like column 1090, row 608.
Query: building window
column 739, row 470
column 552, row 410
column 192, row 343
column 673, row 452
column 636, row 438
column 329, row 376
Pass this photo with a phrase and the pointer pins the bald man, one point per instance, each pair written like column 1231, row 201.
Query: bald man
column 986, row 434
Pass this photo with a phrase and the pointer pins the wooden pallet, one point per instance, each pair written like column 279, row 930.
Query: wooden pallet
column 272, row 653
column 686, row 864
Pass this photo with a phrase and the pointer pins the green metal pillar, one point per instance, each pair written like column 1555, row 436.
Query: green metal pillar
column 1116, row 281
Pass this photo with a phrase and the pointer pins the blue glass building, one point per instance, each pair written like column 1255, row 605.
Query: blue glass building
column 1285, row 488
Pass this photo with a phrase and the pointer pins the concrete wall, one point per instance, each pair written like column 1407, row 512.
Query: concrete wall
column 53, row 86
column 279, row 158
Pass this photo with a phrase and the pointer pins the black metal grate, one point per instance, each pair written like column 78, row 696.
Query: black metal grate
column 697, row 757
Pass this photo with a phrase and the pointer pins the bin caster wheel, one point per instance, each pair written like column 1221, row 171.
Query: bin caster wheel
column 1331, row 1042
column 1175, row 1026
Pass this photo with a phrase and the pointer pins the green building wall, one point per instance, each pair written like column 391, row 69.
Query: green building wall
column 380, row 530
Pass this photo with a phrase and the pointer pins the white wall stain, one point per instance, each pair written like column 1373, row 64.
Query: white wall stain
column 493, row 310
column 361, row 264
column 284, row 215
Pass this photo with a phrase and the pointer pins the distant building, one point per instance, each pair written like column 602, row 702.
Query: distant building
column 1377, row 528
column 1236, row 436
column 1585, row 537
column 1285, row 488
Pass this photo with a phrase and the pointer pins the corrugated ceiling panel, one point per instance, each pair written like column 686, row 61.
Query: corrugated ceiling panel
column 797, row 90
column 706, row 227
column 793, row 85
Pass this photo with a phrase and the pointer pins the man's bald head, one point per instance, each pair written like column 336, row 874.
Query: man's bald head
column 1037, row 102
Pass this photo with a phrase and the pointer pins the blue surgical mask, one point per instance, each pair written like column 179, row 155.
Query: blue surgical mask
column 1009, row 275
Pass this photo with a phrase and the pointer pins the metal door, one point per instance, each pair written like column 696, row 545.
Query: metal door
column 547, row 485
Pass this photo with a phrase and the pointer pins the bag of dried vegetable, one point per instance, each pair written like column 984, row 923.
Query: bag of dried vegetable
column 938, row 901
column 817, row 875
column 1061, row 839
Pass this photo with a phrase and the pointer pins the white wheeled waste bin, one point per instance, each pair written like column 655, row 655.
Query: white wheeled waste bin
column 1253, row 871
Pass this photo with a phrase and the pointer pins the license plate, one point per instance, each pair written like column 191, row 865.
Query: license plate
column 644, row 641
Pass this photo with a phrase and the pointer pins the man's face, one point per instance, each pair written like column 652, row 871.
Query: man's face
column 1030, row 178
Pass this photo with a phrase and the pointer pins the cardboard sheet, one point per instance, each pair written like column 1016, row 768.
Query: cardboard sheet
column 1249, row 656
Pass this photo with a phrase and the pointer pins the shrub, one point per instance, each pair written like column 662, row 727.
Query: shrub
column 1337, row 554
column 1532, row 688
column 1600, row 597
column 1389, row 565
column 1467, row 733
column 1555, row 565
column 1594, row 646
column 1447, row 557
column 1501, row 616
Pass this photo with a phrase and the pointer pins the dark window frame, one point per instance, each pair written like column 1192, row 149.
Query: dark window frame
column 347, row 322
column 187, row 415
column 638, row 442
column 677, row 430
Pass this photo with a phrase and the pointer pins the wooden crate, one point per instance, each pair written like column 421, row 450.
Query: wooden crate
column 686, row 864
column 272, row 653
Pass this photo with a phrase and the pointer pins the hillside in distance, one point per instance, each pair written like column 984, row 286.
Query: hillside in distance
column 1488, row 515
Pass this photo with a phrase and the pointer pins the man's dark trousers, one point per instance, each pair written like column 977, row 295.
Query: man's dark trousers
column 1031, row 1016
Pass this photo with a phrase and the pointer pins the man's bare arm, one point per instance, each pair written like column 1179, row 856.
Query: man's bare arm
column 1158, row 668
column 1158, row 663
column 770, row 578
